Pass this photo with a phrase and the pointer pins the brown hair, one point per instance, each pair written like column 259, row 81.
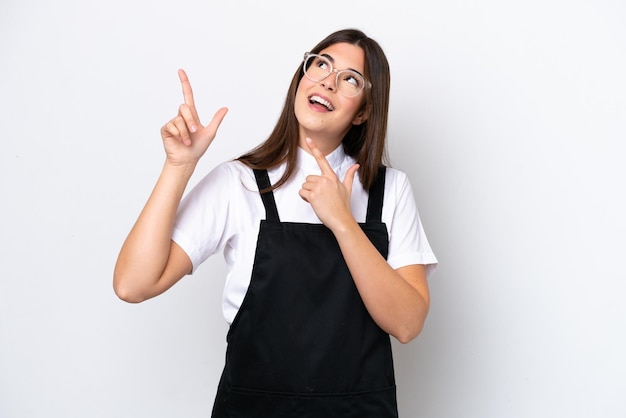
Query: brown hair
column 364, row 142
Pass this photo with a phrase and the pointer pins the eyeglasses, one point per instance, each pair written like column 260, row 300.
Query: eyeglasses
column 349, row 82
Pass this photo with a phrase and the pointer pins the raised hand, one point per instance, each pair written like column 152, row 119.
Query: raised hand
column 329, row 197
column 184, row 137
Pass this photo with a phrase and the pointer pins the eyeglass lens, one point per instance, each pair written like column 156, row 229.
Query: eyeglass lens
column 349, row 83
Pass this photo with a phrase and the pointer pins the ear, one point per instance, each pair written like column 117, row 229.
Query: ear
column 360, row 117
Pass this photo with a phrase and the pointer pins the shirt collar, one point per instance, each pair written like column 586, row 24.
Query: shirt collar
column 308, row 164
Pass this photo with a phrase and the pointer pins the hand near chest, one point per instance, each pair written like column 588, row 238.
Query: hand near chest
column 327, row 194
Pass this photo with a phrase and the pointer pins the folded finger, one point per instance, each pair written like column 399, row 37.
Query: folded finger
column 170, row 130
column 183, row 132
column 189, row 117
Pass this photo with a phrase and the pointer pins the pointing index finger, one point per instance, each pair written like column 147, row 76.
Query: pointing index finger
column 322, row 162
column 187, row 91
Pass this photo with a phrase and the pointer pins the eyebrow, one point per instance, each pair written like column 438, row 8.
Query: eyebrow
column 332, row 61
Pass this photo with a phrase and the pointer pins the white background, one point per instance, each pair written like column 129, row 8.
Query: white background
column 508, row 116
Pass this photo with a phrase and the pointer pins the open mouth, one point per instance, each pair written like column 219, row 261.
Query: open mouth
column 315, row 99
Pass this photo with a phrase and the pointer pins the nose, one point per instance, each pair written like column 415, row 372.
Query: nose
column 330, row 82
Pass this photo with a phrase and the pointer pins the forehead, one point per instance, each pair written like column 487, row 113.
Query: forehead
column 344, row 55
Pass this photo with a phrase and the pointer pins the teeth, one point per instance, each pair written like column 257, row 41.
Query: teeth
column 323, row 102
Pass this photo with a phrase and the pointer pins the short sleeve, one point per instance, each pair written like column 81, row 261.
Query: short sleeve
column 202, row 227
column 408, row 243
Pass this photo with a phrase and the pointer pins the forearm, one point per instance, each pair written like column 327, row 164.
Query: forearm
column 146, row 251
column 397, row 300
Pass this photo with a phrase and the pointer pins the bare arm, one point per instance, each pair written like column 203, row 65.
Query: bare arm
column 398, row 300
column 149, row 262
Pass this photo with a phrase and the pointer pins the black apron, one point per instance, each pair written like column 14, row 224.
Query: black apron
column 302, row 344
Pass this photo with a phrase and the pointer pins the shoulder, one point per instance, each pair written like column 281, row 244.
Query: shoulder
column 399, row 201
column 228, row 175
column 396, row 180
column 395, row 174
column 227, row 192
column 232, row 168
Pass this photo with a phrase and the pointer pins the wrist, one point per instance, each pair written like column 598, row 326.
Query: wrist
column 344, row 227
column 184, row 170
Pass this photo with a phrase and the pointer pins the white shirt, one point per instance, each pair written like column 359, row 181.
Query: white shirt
column 224, row 210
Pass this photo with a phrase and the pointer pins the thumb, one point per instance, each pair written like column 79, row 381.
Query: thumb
column 349, row 178
column 218, row 117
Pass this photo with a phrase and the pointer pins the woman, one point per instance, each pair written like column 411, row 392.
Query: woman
column 326, row 252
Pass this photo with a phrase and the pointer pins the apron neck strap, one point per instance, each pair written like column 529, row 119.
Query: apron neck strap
column 374, row 203
column 263, row 182
column 376, row 195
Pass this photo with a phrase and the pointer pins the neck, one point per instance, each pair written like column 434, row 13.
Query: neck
column 324, row 143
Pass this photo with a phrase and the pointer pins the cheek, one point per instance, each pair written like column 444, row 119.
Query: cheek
column 298, row 105
column 300, row 98
column 353, row 108
column 304, row 85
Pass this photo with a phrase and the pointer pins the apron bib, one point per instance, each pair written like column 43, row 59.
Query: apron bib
column 302, row 344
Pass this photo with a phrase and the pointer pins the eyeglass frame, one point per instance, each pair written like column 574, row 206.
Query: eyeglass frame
column 307, row 55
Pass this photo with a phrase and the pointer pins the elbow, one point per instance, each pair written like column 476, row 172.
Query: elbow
column 404, row 341
column 128, row 296
column 125, row 292
column 412, row 328
column 406, row 337
column 406, row 334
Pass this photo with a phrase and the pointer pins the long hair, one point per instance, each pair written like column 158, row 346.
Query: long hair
column 364, row 142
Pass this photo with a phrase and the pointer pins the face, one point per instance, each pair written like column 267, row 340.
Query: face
column 323, row 113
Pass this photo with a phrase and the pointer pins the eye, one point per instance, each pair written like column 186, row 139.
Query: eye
column 352, row 78
column 322, row 63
